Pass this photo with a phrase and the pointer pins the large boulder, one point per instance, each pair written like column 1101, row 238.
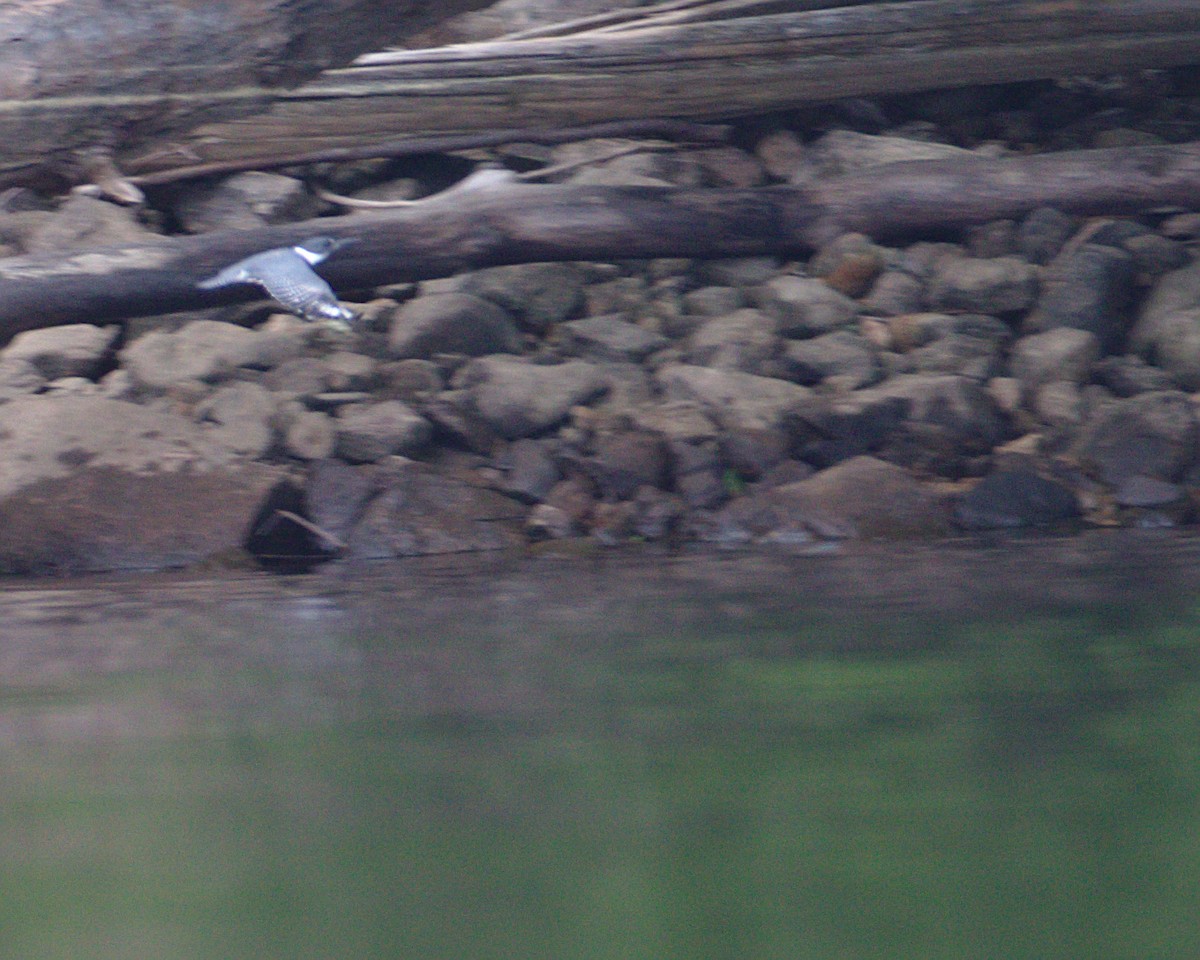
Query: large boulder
column 91, row 483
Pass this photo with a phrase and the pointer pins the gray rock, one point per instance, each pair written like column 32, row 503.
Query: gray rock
column 1059, row 403
column 861, row 498
column 367, row 432
column 73, row 350
column 19, row 377
column 1089, row 289
column 1177, row 349
column 538, row 295
column 87, row 222
column 947, row 412
column 782, row 154
column 840, row 354
column 848, row 264
column 1061, row 354
column 970, row 345
column 519, row 399
column 422, row 512
column 624, row 295
column 744, row 340
column 346, row 370
column 1152, row 434
column 622, row 462
column 298, row 377
column 1042, row 234
column 894, row 292
column 996, row 238
column 91, row 483
column 451, row 323
column 336, row 494
column 610, row 338
column 203, row 350
column 1129, row 374
column 999, row 285
column 682, row 421
column 730, row 167
column 713, row 301
column 1015, row 498
column 1155, row 255
column 737, row 271
column 530, row 470
column 753, row 453
column 311, row 435
column 698, row 475
column 1175, row 293
column 804, row 307
column 244, row 201
column 242, row 412
column 828, row 429
column 843, row 151
column 733, row 399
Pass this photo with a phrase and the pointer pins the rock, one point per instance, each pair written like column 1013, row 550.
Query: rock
column 1144, row 492
column 753, row 453
column 299, row 377
column 347, row 371
column 242, row 413
column 733, row 399
column 730, row 167
column 1015, row 498
column 87, row 222
column 623, row 295
column 657, row 514
column 336, row 494
column 804, row 307
column 782, row 154
column 530, row 470
column 519, row 399
column 849, row 264
column 697, row 475
column 91, row 483
column 203, row 350
column 610, row 338
column 451, row 323
column 1042, row 234
column 1129, row 374
column 411, row 380
column 996, row 238
column 713, row 301
column 948, row 420
column 840, row 354
column 367, row 432
column 826, row 430
column 971, row 345
column 737, row 271
column 1154, row 255
column 73, row 350
column 844, row 151
column 1000, row 285
column 1177, row 348
column 18, row 378
column 743, row 340
column 677, row 420
column 1059, row 403
column 1089, row 289
column 537, row 295
column 862, row 498
column 1061, row 354
column 244, row 201
column 623, row 462
column 1152, row 434
column 311, row 435
column 894, row 292
column 422, row 512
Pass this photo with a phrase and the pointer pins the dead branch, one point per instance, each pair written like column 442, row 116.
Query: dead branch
column 516, row 223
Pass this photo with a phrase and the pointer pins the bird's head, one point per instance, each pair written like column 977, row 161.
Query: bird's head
column 316, row 249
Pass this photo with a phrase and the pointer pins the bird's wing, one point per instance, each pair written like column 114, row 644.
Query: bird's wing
column 234, row 274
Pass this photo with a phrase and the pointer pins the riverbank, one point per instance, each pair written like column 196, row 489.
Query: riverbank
column 1039, row 372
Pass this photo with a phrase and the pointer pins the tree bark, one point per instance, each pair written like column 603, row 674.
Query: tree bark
column 88, row 73
column 718, row 69
column 518, row 223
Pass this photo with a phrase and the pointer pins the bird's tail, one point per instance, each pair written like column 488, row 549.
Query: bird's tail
column 227, row 276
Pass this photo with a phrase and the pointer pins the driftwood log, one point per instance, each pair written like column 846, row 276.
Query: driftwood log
column 92, row 73
column 524, row 223
column 792, row 56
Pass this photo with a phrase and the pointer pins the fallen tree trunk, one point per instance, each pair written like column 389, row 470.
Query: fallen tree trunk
column 519, row 223
column 720, row 69
column 91, row 73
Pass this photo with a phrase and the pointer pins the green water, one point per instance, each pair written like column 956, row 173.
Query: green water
column 705, row 767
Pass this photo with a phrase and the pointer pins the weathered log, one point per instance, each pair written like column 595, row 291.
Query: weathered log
column 524, row 223
column 88, row 73
column 720, row 69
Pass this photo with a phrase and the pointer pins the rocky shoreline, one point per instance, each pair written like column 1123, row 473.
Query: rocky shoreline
column 1038, row 372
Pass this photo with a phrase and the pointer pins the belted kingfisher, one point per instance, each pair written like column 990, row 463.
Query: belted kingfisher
column 287, row 274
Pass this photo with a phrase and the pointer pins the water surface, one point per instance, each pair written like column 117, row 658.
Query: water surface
column 952, row 750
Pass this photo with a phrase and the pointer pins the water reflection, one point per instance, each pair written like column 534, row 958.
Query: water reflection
column 950, row 751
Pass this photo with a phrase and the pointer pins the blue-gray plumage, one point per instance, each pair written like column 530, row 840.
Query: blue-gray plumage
column 287, row 274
